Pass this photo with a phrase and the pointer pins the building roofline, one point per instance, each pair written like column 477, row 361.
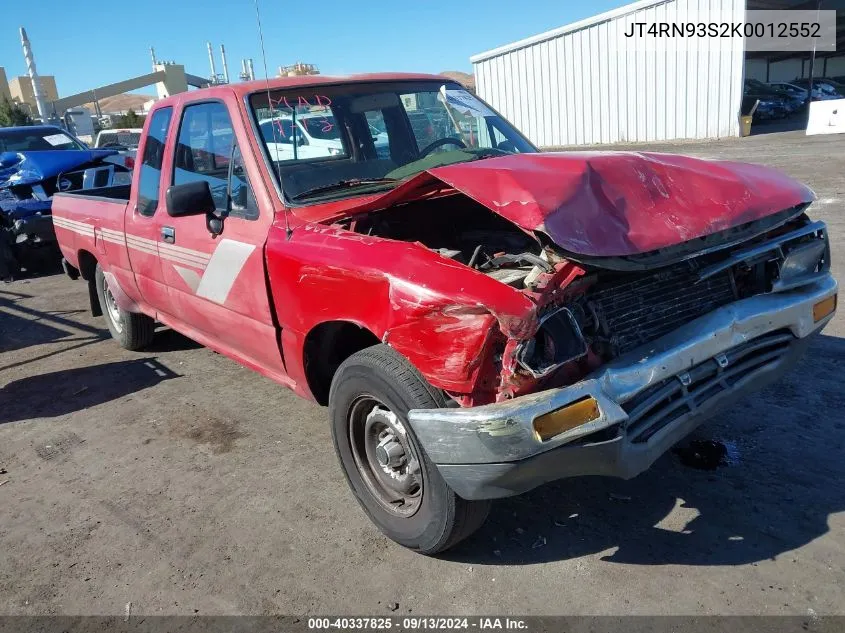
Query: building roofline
column 569, row 28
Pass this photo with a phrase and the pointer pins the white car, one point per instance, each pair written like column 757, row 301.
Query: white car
column 315, row 135
column 380, row 141
column 124, row 140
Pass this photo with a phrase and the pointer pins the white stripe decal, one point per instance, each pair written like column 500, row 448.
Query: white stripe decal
column 82, row 230
column 221, row 268
column 184, row 262
column 181, row 258
column 189, row 276
column 185, row 256
column 170, row 251
column 226, row 263
column 142, row 240
column 74, row 223
column 178, row 250
column 143, row 248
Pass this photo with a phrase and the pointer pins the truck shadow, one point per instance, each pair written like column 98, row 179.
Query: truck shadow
column 66, row 391
column 22, row 326
column 780, row 482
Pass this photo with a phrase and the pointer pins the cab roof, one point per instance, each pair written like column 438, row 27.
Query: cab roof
column 302, row 81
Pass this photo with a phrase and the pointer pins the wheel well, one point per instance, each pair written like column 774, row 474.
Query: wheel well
column 87, row 265
column 326, row 347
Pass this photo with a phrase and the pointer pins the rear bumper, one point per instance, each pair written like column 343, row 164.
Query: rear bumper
column 649, row 400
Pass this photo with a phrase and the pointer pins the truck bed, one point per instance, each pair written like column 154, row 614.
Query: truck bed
column 91, row 221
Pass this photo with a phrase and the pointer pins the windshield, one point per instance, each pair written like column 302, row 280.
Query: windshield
column 35, row 140
column 368, row 137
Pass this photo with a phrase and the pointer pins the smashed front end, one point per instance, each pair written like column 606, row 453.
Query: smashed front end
column 619, row 356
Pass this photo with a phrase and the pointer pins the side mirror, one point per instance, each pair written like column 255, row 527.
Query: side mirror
column 191, row 198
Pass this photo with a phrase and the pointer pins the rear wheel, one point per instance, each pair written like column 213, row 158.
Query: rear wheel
column 397, row 486
column 132, row 330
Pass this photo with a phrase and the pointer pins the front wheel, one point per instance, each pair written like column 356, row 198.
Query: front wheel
column 392, row 478
column 133, row 331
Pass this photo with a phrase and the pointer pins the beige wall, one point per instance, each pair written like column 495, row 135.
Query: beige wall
column 174, row 80
column 21, row 89
column 4, row 84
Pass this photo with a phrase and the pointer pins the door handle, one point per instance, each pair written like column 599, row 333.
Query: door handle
column 168, row 234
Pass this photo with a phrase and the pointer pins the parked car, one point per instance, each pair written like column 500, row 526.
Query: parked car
column 823, row 88
column 314, row 135
column 480, row 318
column 762, row 109
column 38, row 138
column 124, row 140
column 793, row 90
column 35, row 162
column 774, row 103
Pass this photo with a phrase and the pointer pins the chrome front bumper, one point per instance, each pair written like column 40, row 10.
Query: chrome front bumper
column 491, row 451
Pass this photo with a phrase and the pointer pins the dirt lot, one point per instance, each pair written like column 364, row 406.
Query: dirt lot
column 179, row 481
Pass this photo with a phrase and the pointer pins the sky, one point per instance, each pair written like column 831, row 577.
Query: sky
column 87, row 44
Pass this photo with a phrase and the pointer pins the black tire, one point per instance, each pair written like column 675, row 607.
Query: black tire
column 442, row 519
column 132, row 330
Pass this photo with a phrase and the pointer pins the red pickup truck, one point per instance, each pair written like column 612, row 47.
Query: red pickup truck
column 479, row 317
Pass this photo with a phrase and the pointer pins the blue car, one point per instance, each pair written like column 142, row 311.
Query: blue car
column 36, row 162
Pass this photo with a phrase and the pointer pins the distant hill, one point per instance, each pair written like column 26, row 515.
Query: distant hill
column 465, row 79
column 121, row 103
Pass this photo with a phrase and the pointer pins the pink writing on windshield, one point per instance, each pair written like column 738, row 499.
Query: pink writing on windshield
column 302, row 102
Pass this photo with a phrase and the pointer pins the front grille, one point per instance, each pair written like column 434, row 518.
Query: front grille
column 630, row 313
column 662, row 403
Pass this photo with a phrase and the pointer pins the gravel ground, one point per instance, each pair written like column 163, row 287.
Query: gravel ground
column 183, row 483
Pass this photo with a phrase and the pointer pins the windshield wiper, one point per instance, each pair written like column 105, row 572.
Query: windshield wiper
column 342, row 184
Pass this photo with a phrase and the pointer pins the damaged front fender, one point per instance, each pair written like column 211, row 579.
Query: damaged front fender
column 453, row 323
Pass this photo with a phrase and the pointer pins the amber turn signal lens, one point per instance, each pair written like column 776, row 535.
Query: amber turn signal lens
column 566, row 418
column 824, row 308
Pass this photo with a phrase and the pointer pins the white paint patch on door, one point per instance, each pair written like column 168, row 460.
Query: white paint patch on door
column 189, row 276
column 223, row 269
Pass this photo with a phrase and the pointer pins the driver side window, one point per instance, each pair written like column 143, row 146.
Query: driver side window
column 242, row 201
column 204, row 149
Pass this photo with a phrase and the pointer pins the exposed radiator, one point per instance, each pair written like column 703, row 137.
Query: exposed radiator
column 633, row 312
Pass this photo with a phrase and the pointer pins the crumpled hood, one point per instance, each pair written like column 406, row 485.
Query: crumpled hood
column 29, row 168
column 606, row 204
column 623, row 203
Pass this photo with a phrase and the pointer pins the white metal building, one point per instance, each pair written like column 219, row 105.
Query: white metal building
column 583, row 83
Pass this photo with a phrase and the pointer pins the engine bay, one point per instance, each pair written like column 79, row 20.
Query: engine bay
column 459, row 228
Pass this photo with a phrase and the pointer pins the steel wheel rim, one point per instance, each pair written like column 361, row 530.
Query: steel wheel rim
column 385, row 457
column 111, row 307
